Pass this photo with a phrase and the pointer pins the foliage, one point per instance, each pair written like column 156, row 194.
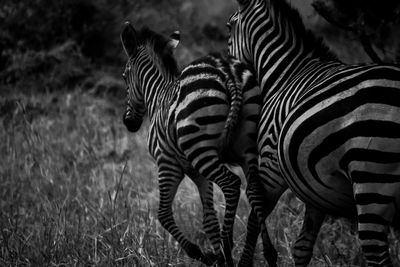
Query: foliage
column 36, row 34
column 373, row 23
column 52, row 42
column 41, row 24
column 48, row 70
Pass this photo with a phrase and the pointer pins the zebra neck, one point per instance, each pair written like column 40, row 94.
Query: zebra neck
column 273, row 76
column 158, row 94
column 285, row 48
column 308, row 79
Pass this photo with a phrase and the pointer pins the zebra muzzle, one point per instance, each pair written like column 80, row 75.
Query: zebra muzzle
column 131, row 123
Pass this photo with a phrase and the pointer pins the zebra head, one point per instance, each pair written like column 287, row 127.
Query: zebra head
column 135, row 108
column 150, row 65
column 240, row 26
column 259, row 28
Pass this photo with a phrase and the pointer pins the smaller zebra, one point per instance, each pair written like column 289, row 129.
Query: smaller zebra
column 199, row 120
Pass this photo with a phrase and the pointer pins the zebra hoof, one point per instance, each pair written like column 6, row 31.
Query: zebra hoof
column 272, row 258
column 245, row 263
column 223, row 262
column 210, row 259
column 227, row 254
column 194, row 252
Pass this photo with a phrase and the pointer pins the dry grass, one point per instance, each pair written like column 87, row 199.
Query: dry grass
column 77, row 189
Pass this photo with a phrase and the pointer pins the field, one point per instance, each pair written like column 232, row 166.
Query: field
column 76, row 188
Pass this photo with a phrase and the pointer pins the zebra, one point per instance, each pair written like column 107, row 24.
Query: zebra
column 199, row 119
column 328, row 131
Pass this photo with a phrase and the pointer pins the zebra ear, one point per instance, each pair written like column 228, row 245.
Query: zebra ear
column 129, row 39
column 175, row 38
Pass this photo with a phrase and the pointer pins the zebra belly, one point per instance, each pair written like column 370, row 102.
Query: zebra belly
column 328, row 146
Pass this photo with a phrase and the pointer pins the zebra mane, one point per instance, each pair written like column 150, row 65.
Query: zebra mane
column 294, row 18
column 160, row 51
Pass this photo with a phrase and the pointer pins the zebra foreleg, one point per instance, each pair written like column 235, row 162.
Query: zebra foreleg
column 303, row 247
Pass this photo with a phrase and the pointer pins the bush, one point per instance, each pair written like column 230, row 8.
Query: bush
column 42, row 24
column 62, row 65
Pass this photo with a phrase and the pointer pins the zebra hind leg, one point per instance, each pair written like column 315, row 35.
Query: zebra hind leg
column 253, row 230
column 262, row 203
column 374, row 242
column 303, row 247
column 230, row 186
column 210, row 221
column 375, row 212
column 231, row 193
column 168, row 188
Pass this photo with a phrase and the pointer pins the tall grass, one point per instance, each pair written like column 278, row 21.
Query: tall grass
column 77, row 189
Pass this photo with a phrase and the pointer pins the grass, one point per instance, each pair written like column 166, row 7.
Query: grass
column 77, row 189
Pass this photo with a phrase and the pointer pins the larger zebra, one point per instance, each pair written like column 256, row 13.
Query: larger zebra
column 329, row 131
column 194, row 119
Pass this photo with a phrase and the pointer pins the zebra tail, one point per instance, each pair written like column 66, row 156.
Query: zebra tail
column 227, row 137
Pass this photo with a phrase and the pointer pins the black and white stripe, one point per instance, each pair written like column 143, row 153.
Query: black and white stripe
column 329, row 131
column 196, row 119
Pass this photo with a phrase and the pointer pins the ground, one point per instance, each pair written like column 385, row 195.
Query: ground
column 78, row 189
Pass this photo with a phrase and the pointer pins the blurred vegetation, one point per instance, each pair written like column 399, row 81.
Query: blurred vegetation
column 75, row 187
column 65, row 41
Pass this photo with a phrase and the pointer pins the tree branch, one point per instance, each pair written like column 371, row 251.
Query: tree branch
column 369, row 49
column 331, row 14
